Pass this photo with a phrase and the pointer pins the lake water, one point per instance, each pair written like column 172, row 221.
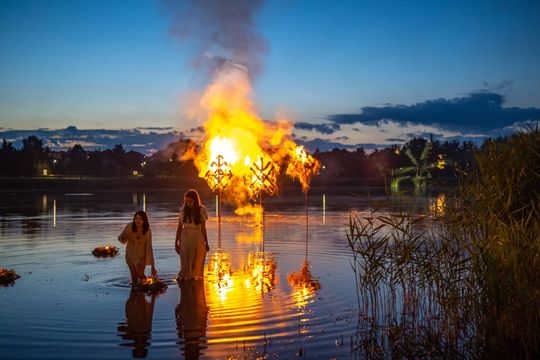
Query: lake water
column 285, row 290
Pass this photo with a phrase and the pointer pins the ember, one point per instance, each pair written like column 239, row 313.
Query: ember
column 7, row 277
column 105, row 251
column 151, row 285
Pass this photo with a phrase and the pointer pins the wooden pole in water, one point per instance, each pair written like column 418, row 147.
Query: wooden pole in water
column 262, row 220
column 219, row 217
column 307, row 222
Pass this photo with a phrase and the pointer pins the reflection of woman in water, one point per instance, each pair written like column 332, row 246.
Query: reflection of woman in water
column 191, row 316
column 138, row 324
column 139, row 253
column 191, row 239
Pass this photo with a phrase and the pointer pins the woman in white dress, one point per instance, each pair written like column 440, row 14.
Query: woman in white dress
column 191, row 238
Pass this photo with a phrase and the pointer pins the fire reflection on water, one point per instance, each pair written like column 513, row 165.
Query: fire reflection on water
column 437, row 206
column 236, row 299
column 258, row 275
column 219, row 275
column 260, row 272
column 304, row 284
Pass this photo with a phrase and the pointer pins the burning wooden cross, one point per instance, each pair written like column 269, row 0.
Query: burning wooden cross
column 219, row 173
column 263, row 180
column 264, row 175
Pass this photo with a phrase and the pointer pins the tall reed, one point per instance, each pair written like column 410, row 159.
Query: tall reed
column 464, row 284
column 498, row 222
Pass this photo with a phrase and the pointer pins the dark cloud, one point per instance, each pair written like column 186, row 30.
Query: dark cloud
column 95, row 139
column 342, row 138
column 423, row 134
column 197, row 129
column 326, row 145
column 155, row 128
column 479, row 111
column 328, row 128
column 505, row 85
column 398, row 140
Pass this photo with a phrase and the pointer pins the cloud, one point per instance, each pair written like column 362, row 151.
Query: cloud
column 326, row 145
column 196, row 129
column 96, row 139
column 328, row 128
column 423, row 134
column 478, row 111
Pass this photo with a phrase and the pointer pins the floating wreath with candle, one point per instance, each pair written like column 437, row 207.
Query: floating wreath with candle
column 151, row 285
column 105, row 251
column 7, row 277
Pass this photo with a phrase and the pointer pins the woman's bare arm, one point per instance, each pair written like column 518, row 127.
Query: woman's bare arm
column 205, row 236
column 178, row 237
column 123, row 237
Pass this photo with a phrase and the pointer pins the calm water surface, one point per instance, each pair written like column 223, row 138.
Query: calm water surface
column 282, row 291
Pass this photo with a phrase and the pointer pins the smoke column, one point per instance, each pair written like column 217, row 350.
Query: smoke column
column 220, row 31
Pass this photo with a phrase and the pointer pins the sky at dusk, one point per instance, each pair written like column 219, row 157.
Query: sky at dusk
column 346, row 73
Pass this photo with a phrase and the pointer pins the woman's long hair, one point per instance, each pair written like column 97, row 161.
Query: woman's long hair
column 192, row 214
column 145, row 225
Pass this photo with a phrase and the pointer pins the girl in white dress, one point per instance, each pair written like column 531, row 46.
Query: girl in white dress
column 191, row 238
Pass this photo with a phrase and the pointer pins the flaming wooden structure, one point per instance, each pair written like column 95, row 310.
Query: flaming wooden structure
column 218, row 177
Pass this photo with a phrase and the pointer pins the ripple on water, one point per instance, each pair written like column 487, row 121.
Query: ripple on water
column 264, row 297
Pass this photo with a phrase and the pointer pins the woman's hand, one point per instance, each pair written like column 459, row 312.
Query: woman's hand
column 154, row 272
column 177, row 247
column 207, row 247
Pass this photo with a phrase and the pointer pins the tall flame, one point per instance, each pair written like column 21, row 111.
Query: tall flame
column 303, row 166
column 253, row 150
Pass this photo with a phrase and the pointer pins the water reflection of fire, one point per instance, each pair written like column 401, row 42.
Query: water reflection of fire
column 304, row 284
column 437, row 206
column 260, row 272
column 220, row 274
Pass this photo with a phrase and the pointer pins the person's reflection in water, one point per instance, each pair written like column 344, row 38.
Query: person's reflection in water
column 138, row 324
column 191, row 316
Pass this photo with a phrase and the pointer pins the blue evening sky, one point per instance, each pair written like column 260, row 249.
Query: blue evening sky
column 114, row 64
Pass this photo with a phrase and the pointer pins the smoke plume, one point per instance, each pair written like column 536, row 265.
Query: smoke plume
column 220, row 31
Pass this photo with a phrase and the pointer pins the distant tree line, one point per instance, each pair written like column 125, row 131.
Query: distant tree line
column 450, row 156
column 35, row 159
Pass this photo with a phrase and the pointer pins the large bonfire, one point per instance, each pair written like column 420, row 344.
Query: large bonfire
column 241, row 155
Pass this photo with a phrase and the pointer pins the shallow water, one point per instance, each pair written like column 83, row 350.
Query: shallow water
column 286, row 292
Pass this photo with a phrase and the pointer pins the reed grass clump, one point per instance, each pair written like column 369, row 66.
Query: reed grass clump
column 464, row 283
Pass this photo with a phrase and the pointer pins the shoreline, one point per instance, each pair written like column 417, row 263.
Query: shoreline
column 286, row 187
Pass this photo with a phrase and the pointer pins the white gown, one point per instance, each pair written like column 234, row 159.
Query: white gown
column 192, row 248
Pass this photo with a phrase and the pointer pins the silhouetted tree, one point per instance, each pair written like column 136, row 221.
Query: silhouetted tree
column 33, row 157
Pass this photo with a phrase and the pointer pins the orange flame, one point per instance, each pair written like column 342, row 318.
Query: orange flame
column 241, row 154
column 302, row 167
